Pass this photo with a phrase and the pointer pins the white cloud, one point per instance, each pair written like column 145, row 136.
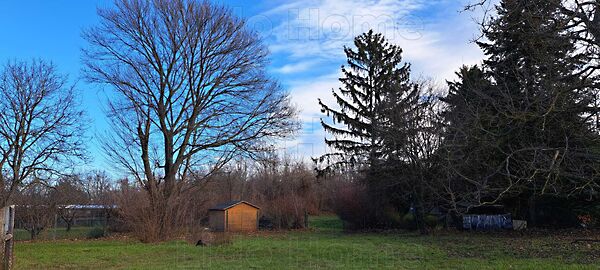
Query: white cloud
column 321, row 28
column 318, row 29
column 306, row 93
column 296, row 67
column 315, row 31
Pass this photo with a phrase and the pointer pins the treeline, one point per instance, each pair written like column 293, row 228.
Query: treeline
column 42, row 205
column 193, row 110
column 286, row 190
column 519, row 130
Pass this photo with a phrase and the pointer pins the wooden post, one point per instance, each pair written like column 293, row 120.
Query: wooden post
column 306, row 219
column 55, row 226
column 8, row 224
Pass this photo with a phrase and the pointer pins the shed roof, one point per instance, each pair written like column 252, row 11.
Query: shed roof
column 89, row 206
column 227, row 205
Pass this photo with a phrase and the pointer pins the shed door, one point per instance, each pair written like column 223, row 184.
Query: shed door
column 235, row 221
column 248, row 220
column 242, row 218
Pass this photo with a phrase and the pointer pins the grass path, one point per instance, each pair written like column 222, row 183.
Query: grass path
column 325, row 247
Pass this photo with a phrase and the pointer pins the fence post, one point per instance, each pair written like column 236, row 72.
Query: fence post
column 8, row 224
column 306, row 219
column 55, row 225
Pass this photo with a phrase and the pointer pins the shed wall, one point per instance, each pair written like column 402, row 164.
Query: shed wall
column 216, row 220
column 242, row 217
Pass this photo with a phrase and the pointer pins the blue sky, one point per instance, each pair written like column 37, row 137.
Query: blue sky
column 305, row 38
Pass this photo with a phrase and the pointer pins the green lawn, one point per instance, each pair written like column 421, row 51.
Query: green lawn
column 55, row 234
column 324, row 247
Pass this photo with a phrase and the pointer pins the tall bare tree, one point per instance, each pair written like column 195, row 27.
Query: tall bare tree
column 191, row 91
column 98, row 188
column 40, row 124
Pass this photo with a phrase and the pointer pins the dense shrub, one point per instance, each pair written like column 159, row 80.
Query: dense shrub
column 286, row 191
column 359, row 210
column 138, row 218
column 353, row 206
column 431, row 221
column 408, row 222
column 285, row 212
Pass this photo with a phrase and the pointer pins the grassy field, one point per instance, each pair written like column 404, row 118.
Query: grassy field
column 325, row 246
column 55, row 234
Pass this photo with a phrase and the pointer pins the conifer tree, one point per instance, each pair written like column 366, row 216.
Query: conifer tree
column 375, row 128
column 531, row 115
column 469, row 149
column 374, row 73
column 545, row 101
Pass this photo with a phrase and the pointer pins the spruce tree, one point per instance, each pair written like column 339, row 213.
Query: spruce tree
column 532, row 117
column 535, row 66
column 374, row 73
column 376, row 104
column 469, row 150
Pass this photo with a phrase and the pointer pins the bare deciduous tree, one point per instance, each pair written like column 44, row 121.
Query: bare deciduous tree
column 35, row 210
column 40, row 124
column 412, row 137
column 100, row 190
column 191, row 92
column 67, row 192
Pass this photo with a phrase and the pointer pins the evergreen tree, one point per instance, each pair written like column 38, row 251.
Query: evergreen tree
column 375, row 72
column 377, row 104
column 545, row 100
column 529, row 112
column 470, row 137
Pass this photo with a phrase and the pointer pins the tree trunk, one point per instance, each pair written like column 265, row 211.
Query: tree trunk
column 420, row 217
column 419, row 210
column 419, row 207
column 160, row 228
column 532, row 211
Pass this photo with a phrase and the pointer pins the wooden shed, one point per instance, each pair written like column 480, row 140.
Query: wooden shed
column 234, row 216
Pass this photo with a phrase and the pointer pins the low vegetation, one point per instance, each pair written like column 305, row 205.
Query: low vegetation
column 323, row 246
column 55, row 234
